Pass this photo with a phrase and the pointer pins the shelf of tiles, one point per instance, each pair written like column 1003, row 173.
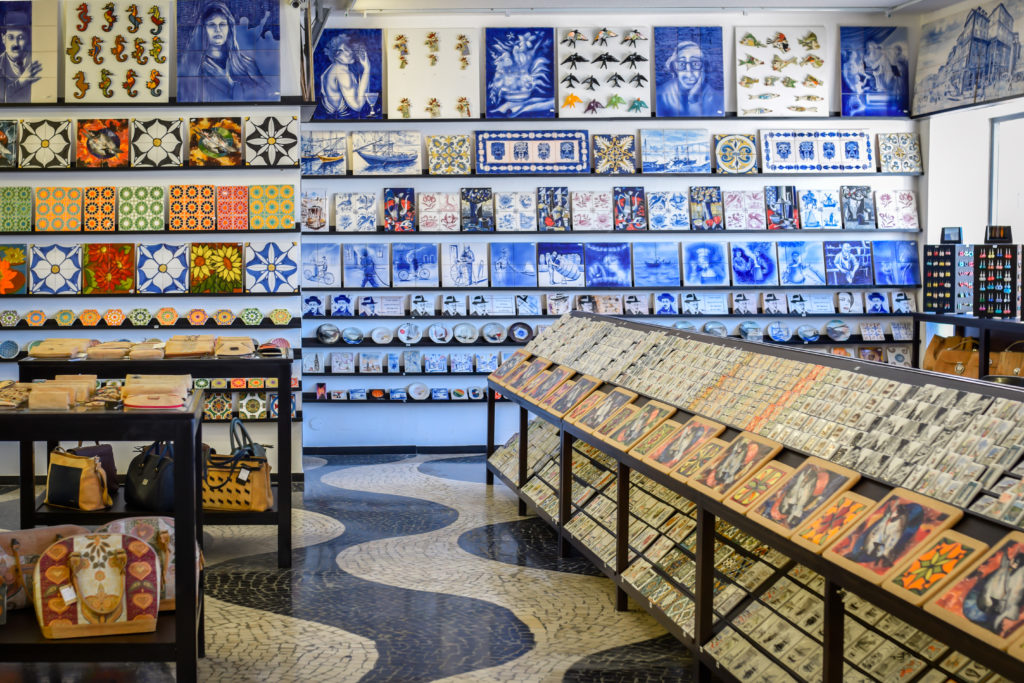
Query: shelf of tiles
column 366, row 265
column 754, row 264
column 533, row 151
column 14, row 268
column 385, row 152
column 399, row 209
column 215, row 141
column 99, row 212
column 706, row 209
column 603, row 71
column 222, row 59
column 688, row 70
column 900, row 153
column 514, row 264
column 553, row 210
column 355, row 211
column 656, row 264
column 782, row 71
column 271, row 267
column 438, row 211
column 668, row 210
column 607, row 264
column 348, row 74
column 324, row 152
column 614, row 154
column 31, row 48
column 477, row 209
column 675, row 150
column 414, row 264
column 515, row 211
column 848, row 262
column 464, row 264
column 591, row 210
column 744, row 209
column 432, row 73
column 44, row 143
column 705, row 264
column 115, row 54
column 896, row 262
column 102, row 143
column 321, row 264
column 560, row 264
column 875, row 70
column 819, row 209
column 216, row 268
column 313, row 216
column 780, row 207
column 736, row 153
column 448, row 154
column 58, row 209
column 801, row 263
column 896, row 210
column 665, row 303
column 629, row 208
column 272, row 141
column 519, row 72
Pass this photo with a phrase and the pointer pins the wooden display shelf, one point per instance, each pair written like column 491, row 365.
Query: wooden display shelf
column 985, row 327
column 313, row 343
column 181, row 324
column 133, row 169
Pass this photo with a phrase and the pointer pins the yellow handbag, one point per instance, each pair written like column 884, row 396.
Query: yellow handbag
column 960, row 360
column 78, row 482
column 1006, row 362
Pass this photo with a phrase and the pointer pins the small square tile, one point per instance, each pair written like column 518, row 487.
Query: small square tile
column 256, row 382
column 8, row 143
column 217, row 406
column 56, row 269
column 448, row 154
column 238, row 383
column 15, row 209
column 157, row 143
column 215, row 141
column 191, row 207
column 140, row 208
column 162, row 268
column 272, row 403
column 13, row 269
column 45, row 143
column 355, row 211
column 216, row 268
column 108, row 268
column 271, row 207
column 324, row 152
column 232, row 207
column 900, row 153
column 272, row 267
column 272, row 141
column 614, row 154
column 252, row 405
column 58, row 209
column 99, row 209
column 102, row 143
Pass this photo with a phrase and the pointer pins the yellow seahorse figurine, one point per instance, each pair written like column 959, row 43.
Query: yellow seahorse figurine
column 74, row 49
column 157, row 49
column 105, row 82
column 153, row 83
column 139, row 53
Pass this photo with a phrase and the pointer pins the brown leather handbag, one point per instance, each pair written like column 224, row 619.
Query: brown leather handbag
column 189, row 346
column 1007, row 361
column 936, row 345
column 960, row 360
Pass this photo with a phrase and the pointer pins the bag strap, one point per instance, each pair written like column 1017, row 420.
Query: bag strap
column 233, row 462
column 968, row 340
column 118, row 561
column 239, row 435
column 1012, row 345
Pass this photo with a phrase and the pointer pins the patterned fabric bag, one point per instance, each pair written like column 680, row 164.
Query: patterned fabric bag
column 240, row 481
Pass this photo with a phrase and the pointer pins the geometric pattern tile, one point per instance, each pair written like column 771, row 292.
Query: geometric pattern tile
column 192, row 207
column 15, row 209
column 272, row 141
column 157, row 143
column 162, row 268
column 56, row 269
column 98, row 214
column 140, row 208
column 45, row 143
column 271, row 267
column 217, row 405
column 272, row 207
column 232, row 207
column 58, row 209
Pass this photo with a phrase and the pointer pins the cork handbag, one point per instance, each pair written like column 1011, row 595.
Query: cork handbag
column 1007, row 361
column 960, row 360
column 241, row 480
column 19, row 553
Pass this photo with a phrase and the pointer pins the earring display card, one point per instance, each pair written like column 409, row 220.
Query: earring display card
column 191, row 207
column 215, row 141
column 102, row 143
column 98, row 209
column 58, row 209
column 997, row 280
column 157, row 143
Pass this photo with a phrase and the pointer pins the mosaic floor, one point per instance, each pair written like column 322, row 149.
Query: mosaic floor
column 405, row 569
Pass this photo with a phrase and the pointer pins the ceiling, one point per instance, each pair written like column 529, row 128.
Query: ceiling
column 553, row 6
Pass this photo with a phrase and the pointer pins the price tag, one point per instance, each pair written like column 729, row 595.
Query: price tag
column 67, row 593
column 243, row 475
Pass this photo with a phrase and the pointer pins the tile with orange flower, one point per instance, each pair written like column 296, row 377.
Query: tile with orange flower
column 108, row 268
column 13, row 268
column 103, row 143
column 216, row 267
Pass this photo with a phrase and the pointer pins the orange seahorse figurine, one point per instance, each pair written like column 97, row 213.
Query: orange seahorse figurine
column 118, row 49
column 96, row 49
column 81, row 84
column 129, row 83
column 109, row 17
column 154, row 82
column 139, row 53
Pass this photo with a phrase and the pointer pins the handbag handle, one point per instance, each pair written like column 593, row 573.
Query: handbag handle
column 239, row 436
column 161, row 449
column 968, row 340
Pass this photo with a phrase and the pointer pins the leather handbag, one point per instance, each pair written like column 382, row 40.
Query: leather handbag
column 153, row 401
column 1006, row 362
column 234, row 346
column 19, row 553
column 936, row 345
column 239, row 481
column 960, row 360
column 146, row 351
column 189, row 345
column 149, row 481
column 114, row 350
column 76, row 481
column 59, row 348
column 97, row 585
column 104, row 453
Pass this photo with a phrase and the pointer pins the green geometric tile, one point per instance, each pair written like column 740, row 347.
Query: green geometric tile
column 217, row 405
column 15, row 209
column 140, row 208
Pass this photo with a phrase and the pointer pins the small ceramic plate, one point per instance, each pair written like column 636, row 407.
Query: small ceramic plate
column 779, row 331
column 64, row 317
column 475, row 393
column 9, row 318
column 381, row 335
column 140, row 317
column 458, row 395
column 223, row 316
column 280, row 316
column 751, row 331
column 251, row 316
column 418, row 391
column 328, row 334
column 520, row 333
column 439, row 333
column 9, row 349
column 35, row 318
column 167, row 316
column 466, row 333
column 352, row 335
column 197, row 317
column 409, row 333
column 716, row 328
column 494, row 333
column 808, row 333
column 685, row 325
column 837, row 330
column 90, row 317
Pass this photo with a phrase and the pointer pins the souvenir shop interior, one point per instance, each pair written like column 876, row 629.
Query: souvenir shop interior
column 438, row 340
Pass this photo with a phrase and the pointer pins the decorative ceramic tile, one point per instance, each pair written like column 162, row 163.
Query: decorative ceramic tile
column 438, row 211
column 736, row 153
column 896, row 210
column 35, row 318
column 553, row 209
column 603, row 72
column 675, row 150
column 58, row 209
column 215, row 141
column 280, row 316
column 783, row 72
column 33, row 51
column 197, row 317
column 744, row 209
column 9, row 318
column 8, row 143
column 157, row 143
column 252, row 405
column 224, row 318
column 99, row 209
column 819, row 209
column 513, row 212
column 688, row 71
column 272, row 141
column 386, row 152
column 162, row 268
column 115, row 53
column 706, row 208
column 433, row 73
column 250, row 316
column 448, row 154
column 102, row 143
column 520, row 70
column 629, row 208
column 45, row 143
column 614, row 153
column 324, row 152
column 900, row 153
column 140, row 317
column 477, row 209
column 780, row 207
column 140, row 208
column 191, row 207
column 365, row 265
column 875, row 72
column 271, row 207
column 56, row 269
column 217, row 406
column 15, row 209
column 313, row 214
column 399, row 209
column 858, row 207
column 668, row 210
column 232, row 207
column 167, row 316
column 463, row 264
column 215, row 268
column 532, row 151
column 13, row 269
column 272, row 407
column 591, row 210
column 321, row 264
column 90, row 317
column 357, row 212
column 114, row 317
column 271, row 267
column 108, row 268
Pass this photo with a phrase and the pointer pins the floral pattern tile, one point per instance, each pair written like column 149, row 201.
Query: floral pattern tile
column 614, row 153
column 232, row 207
column 99, row 212
column 192, row 207
column 162, row 268
column 13, row 269
column 140, row 208
column 271, row 267
column 272, row 141
column 157, row 143
column 448, row 154
column 102, row 143
column 252, row 405
column 15, row 209
column 58, row 209
column 217, row 405
column 900, row 153
column 55, row 269
column 108, row 268
column 45, row 143
column 215, row 142
column 216, row 268
column 271, row 207
column 8, row 143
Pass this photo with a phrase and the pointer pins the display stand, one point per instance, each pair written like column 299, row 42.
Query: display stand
column 706, row 623
column 33, row 511
column 180, row 635
column 985, row 327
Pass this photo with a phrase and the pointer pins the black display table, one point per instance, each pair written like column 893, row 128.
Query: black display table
column 179, row 635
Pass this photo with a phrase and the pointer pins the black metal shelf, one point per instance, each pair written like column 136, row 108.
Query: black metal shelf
column 460, row 318
column 182, row 324
column 285, row 101
column 313, row 343
column 133, row 169
column 386, row 401
column 168, row 295
column 426, row 233
column 648, row 118
column 652, row 316
column 164, row 232
column 395, row 374
column 637, row 174
column 485, row 290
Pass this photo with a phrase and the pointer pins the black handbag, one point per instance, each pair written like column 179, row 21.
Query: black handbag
column 149, row 482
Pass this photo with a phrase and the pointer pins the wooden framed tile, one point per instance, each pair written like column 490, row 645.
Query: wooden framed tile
column 831, row 521
column 530, row 370
column 758, row 485
column 540, row 377
column 803, row 493
column 510, row 364
column 578, row 391
column 555, row 378
column 887, row 535
column 741, row 458
column 649, row 441
column 647, row 418
column 584, row 406
column 619, row 418
column 938, row 563
column 614, row 400
column 667, row 454
column 698, row 458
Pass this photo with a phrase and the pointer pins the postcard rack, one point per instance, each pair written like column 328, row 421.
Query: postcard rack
column 522, row 465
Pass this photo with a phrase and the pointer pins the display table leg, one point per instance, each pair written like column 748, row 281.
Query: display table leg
column 524, row 422
column 564, row 490
column 832, row 634
column 489, row 448
column 622, row 533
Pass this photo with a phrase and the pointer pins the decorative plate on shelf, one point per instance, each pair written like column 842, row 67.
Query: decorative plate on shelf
column 779, row 331
column 475, row 393
column 90, row 317
column 808, row 333
column 9, row 349
column 685, row 325
column 140, row 317
column 9, row 318
column 494, row 333
column 167, row 316
column 329, row 334
column 520, row 332
column 418, row 391
column 352, row 335
column 35, row 318
column 409, row 333
column 459, row 395
column 65, row 317
column 466, row 333
column 197, row 317
column 280, row 316
column 837, row 330
column 439, row 333
column 381, row 335
column 114, row 317
column 251, row 316
column 716, row 328
column 223, row 317
column 751, row 331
